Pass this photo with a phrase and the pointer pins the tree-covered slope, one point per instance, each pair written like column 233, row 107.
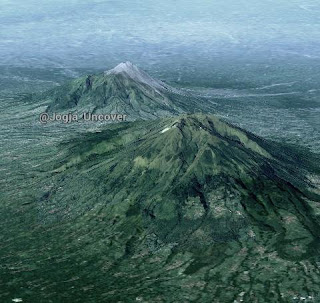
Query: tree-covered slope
column 180, row 209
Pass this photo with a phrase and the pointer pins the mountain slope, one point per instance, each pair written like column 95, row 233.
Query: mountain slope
column 126, row 90
column 181, row 209
column 191, row 157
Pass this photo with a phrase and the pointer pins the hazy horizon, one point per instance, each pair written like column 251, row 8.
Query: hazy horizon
column 100, row 34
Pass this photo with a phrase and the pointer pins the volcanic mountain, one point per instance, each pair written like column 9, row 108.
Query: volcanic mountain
column 126, row 90
column 180, row 209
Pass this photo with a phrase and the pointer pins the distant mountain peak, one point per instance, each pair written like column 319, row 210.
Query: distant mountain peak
column 127, row 89
column 126, row 67
column 132, row 71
